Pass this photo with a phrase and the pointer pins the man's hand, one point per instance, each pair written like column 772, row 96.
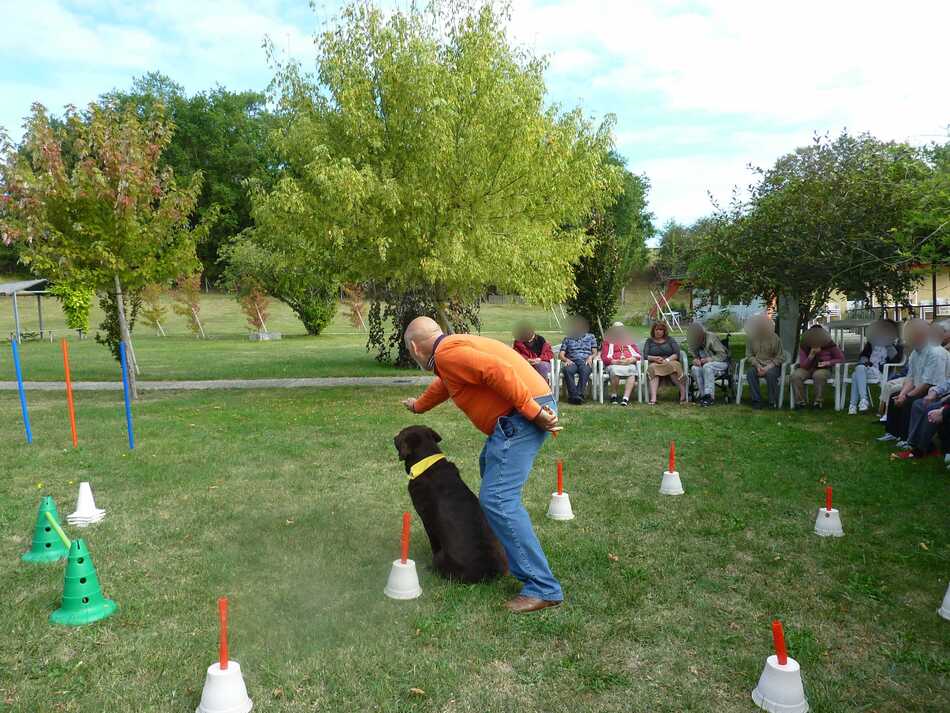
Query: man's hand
column 931, row 395
column 546, row 420
column 410, row 404
column 814, row 352
column 822, row 364
column 534, row 361
column 935, row 416
column 761, row 370
column 590, row 360
column 900, row 399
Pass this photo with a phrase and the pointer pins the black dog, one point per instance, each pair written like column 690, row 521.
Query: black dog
column 463, row 546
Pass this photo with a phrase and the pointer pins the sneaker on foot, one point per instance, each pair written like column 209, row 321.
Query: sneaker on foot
column 852, row 410
column 882, row 419
column 614, row 399
column 864, row 405
column 625, row 402
column 887, row 437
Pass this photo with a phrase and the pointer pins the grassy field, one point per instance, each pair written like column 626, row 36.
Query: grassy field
column 290, row 502
column 227, row 353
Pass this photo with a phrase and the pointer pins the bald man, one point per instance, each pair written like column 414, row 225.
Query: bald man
column 506, row 399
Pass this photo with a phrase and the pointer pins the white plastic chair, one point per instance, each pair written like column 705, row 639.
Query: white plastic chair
column 603, row 379
column 834, row 382
column 556, row 377
column 783, row 376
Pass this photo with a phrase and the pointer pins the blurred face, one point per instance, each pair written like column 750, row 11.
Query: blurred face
column 578, row 328
column 937, row 334
column 659, row 331
column 917, row 335
column 882, row 333
column 696, row 333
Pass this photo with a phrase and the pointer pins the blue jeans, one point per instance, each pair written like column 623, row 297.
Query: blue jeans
column 505, row 464
column 859, row 384
column 576, row 377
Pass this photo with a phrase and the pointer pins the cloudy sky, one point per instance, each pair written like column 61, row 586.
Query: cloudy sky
column 700, row 88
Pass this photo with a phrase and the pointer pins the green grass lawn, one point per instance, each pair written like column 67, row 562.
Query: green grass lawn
column 289, row 502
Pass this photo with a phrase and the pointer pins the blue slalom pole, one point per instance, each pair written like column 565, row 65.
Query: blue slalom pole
column 125, row 388
column 19, row 383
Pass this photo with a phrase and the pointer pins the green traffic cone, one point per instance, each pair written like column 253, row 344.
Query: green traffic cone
column 47, row 547
column 83, row 602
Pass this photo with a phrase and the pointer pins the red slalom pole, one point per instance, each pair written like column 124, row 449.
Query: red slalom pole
column 672, row 457
column 223, row 633
column 828, row 498
column 69, row 394
column 560, row 477
column 406, row 521
column 778, row 637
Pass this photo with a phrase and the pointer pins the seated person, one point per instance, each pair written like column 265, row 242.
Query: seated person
column 709, row 359
column 817, row 354
column 925, row 368
column 940, row 337
column 621, row 357
column 578, row 349
column 926, row 416
column 663, row 359
column 883, row 347
column 764, row 357
column 534, row 348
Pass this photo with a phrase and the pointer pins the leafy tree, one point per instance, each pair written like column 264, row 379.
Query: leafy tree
column 112, row 217
column 188, row 303
column 76, row 301
column 259, row 256
column 678, row 244
column 422, row 155
column 617, row 237
column 219, row 133
column 822, row 219
column 153, row 311
column 255, row 303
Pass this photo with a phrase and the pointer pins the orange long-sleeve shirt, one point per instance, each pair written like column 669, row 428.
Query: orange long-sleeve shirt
column 485, row 378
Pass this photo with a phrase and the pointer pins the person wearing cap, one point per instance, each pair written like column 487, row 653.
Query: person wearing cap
column 507, row 400
column 622, row 358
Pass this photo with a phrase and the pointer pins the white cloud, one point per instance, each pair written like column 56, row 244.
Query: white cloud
column 789, row 69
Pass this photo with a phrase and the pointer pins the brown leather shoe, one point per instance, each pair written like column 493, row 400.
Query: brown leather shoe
column 523, row 605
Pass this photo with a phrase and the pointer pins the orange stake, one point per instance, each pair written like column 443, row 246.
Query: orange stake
column 69, row 394
column 778, row 638
column 405, row 537
column 223, row 633
column 560, row 477
column 672, row 465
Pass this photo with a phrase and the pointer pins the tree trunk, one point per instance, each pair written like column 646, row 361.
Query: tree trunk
column 933, row 288
column 127, row 339
column 444, row 321
column 789, row 322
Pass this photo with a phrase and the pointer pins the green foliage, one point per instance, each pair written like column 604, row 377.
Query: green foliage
column 110, row 335
column 823, row 219
column 87, row 201
column 598, row 277
column 678, row 247
column 76, row 301
column 391, row 312
column 925, row 234
column 153, row 311
column 617, row 239
column 219, row 134
column 722, row 321
column 259, row 256
column 422, row 154
column 188, row 303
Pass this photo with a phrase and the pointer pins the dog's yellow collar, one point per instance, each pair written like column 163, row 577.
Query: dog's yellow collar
column 424, row 465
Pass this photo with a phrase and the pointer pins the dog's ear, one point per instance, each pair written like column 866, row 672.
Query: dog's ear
column 435, row 436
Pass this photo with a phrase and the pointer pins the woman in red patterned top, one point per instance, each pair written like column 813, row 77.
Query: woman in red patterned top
column 534, row 348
